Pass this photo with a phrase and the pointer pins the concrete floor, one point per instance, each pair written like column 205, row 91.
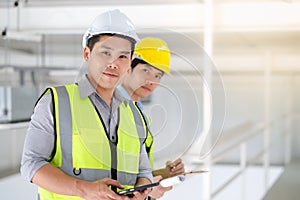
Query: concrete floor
column 288, row 184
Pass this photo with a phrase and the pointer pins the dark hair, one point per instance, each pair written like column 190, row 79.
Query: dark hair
column 137, row 61
column 93, row 40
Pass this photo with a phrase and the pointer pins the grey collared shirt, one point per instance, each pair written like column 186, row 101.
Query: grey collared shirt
column 39, row 142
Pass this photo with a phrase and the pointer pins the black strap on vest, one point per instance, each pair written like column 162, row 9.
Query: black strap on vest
column 147, row 129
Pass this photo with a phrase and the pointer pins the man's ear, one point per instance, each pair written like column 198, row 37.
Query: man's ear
column 86, row 53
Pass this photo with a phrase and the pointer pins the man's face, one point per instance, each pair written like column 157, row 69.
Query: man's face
column 108, row 62
column 144, row 79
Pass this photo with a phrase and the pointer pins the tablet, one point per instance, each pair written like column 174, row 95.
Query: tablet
column 164, row 183
column 138, row 188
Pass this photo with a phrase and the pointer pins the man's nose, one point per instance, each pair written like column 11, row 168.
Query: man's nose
column 149, row 82
column 112, row 64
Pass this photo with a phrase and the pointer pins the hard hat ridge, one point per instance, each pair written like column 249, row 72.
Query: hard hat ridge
column 111, row 22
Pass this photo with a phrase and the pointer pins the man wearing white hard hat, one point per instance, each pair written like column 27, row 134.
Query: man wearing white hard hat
column 85, row 140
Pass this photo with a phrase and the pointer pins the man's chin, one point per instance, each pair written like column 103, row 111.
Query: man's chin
column 107, row 86
column 145, row 95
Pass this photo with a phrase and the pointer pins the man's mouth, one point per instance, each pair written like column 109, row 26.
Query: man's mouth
column 111, row 74
column 146, row 88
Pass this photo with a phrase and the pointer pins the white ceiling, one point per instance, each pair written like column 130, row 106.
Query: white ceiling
column 240, row 26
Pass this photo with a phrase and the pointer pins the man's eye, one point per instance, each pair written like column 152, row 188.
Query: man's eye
column 123, row 56
column 106, row 53
column 145, row 70
column 158, row 77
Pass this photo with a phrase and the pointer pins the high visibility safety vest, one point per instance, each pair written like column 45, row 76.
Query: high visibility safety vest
column 83, row 149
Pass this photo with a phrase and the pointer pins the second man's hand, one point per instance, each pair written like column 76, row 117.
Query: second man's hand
column 159, row 191
column 175, row 168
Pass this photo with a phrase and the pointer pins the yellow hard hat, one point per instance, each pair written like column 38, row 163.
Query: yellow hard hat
column 155, row 52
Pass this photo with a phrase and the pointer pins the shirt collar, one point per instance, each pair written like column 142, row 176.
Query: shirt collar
column 127, row 96
column 124, row 92
column 86, row 89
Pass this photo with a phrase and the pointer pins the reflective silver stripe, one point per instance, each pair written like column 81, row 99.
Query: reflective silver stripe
column 93, row 174
column 65, row 129
column 127, row 178
column 139, row 122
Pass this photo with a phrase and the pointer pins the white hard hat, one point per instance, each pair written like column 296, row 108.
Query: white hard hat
column 112, row 21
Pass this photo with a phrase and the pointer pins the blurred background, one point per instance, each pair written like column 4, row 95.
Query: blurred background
column 236, row 79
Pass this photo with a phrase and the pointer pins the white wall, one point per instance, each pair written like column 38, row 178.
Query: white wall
column 11, row 142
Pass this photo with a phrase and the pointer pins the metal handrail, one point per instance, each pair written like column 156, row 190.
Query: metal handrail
column 228, row 149
column 12, row 126
column 244, row 162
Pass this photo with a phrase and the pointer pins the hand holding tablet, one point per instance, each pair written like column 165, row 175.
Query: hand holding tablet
column 164, row 183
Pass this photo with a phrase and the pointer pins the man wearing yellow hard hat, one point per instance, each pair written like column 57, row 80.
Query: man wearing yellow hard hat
column 151, row 61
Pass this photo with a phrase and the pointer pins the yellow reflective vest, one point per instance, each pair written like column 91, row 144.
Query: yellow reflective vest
column 83, row 149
